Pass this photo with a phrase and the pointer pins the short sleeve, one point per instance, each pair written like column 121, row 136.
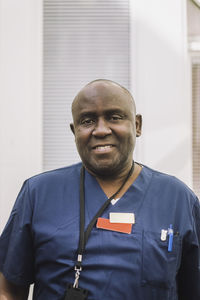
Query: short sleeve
column 16, row 245
column 189, row 274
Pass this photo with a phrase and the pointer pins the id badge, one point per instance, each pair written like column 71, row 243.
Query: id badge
column 75, row 293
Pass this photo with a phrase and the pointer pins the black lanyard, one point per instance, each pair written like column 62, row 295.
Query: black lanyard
column 84, row 235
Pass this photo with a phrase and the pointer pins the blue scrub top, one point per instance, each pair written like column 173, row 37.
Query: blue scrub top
column 39, row 243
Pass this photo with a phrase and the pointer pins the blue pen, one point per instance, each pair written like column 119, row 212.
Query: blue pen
column 171, row 235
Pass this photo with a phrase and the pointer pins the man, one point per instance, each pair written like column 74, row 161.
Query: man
column 143, row 244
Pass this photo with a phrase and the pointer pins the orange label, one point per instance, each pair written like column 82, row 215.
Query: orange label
column 120, row 227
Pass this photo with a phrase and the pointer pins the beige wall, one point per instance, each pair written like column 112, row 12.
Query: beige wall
column 161, row 85
column 20, row 97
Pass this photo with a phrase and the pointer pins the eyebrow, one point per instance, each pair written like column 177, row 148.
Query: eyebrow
column 108, row 111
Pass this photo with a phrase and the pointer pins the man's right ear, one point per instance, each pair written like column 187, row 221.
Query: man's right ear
column 72, row 127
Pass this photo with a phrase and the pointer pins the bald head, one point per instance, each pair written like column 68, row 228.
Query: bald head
column 104, row 88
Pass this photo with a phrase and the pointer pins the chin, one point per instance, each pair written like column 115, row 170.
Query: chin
column 103, row 169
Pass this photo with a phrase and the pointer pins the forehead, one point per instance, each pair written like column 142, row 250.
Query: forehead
column 102, row 96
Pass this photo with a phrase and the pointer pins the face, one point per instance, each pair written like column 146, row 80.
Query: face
column 105, row 128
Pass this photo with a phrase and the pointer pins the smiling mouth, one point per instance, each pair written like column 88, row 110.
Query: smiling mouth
column 103, row 148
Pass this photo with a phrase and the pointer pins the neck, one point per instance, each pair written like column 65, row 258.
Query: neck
column 117, row 177
column 111, row 185
column 109, row 174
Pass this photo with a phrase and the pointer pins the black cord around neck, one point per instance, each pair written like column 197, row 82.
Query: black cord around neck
column 85, row 235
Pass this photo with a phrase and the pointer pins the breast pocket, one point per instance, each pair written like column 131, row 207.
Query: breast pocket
column 159, row 266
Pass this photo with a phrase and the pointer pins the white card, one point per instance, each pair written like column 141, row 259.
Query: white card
column 122, row 218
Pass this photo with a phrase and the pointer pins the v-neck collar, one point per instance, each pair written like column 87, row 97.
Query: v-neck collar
column 130, row 201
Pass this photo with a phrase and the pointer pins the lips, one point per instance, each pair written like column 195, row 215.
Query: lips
column 103, row 148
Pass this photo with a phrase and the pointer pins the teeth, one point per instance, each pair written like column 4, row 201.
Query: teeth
column 103, row 147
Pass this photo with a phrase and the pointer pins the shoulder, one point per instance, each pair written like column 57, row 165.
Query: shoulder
column 170, row 186
column 168, row 180
column 54, row 177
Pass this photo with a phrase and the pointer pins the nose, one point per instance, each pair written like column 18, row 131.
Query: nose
column 101, row 129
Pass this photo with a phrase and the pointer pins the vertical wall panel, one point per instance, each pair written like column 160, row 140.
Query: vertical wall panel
column 196, row 123
column 83, row 41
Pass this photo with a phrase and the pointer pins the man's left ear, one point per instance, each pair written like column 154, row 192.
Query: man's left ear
column 138, row 124
column 72, row 127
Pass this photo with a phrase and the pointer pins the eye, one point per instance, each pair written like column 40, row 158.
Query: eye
column 115, row 117
column 87, row 121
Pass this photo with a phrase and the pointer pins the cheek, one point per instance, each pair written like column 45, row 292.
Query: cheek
column 127, row 134
column 81, row 137
column 129, row 139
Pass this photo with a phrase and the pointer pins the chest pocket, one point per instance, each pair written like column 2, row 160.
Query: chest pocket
column 159, row 266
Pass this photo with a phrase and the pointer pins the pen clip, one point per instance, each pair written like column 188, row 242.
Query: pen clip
column 163, row 235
